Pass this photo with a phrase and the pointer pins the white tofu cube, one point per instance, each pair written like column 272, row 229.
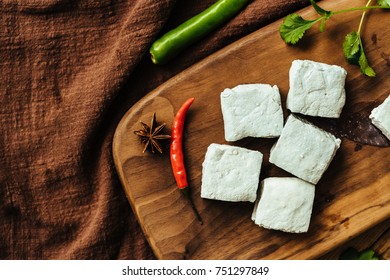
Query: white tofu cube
column 380, row 117
column 304, row 150
column 316, row 89
column 285, row 204
column 231, row 173
column 251, row 110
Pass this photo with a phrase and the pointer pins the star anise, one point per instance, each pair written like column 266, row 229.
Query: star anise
column 151, row 135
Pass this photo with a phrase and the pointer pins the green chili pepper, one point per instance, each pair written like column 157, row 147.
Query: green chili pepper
column 197, row 27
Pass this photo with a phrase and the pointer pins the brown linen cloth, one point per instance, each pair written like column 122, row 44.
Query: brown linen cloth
column 69, row 70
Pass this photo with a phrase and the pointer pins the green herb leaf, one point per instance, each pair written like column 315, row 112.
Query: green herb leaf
column 368, row 255
column 353, row 254
column 321, row 11
column 384, row 3
column 363, row 62
column 351, row 48
column 294, row 27
column 354, row 53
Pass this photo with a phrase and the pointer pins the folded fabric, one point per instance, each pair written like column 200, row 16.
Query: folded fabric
column 69, row 71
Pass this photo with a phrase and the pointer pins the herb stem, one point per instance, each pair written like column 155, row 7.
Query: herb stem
column 362, row 18
column 318, row 19
column 360, row 9
column 364, row 9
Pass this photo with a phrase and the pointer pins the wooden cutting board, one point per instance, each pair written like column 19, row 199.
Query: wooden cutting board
column 352, row 196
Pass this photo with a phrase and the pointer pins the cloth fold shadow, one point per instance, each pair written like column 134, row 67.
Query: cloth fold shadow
column 70, row 70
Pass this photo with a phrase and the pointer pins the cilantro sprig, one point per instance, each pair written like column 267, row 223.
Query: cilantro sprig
column 294, row 27
column 384, row 3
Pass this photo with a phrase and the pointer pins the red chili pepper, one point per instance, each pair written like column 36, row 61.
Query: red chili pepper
column 176, row 154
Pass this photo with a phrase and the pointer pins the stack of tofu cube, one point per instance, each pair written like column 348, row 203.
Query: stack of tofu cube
column 232, row 173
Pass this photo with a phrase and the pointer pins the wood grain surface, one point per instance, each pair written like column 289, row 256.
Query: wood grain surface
column 352, row 197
